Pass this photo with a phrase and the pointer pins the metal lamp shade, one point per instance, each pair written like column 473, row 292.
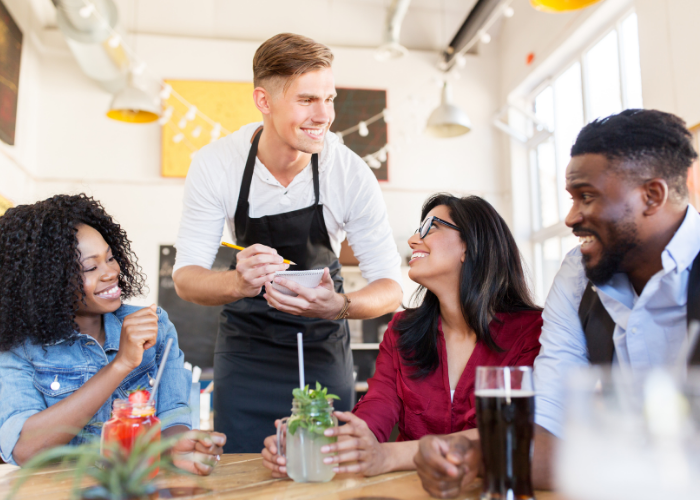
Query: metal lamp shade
column 561, row 5
column 447, row 120
column 133, row 105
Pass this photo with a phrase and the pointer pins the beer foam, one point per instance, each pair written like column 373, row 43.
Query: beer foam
column 501, row 393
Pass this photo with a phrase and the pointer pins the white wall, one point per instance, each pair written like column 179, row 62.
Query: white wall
column 78, row 149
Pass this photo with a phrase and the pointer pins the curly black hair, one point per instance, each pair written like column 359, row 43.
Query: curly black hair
column 40, row 273
column 642, row 144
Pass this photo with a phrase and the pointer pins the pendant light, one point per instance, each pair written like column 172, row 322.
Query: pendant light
column 561, row 5
column 447, row 120
column 133, row 105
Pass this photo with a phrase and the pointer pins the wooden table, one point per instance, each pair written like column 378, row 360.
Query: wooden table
column 243, row 476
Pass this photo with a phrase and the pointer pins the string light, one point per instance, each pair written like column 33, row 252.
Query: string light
column 197, row 131
column 177, row 138
column 138, row 68
column 165, row 117
column 373, row 162
column 165, row 91
column 381, row 155
column 386, row 114
column 114, row 41
column 362, row 129
column 191, row 113
column 87, row 10
column 182, row 123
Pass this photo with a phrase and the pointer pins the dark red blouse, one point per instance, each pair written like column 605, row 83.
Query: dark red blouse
column 423, row 406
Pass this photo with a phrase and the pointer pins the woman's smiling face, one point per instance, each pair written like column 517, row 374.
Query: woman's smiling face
column 100, row 273
column 437, row 259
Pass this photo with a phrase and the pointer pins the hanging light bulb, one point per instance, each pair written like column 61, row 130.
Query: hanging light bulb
column 165, row 92
column 87, row 10
column 166, row 115
column 373, row 162
column 182, row 123
column 561, row 5
column 447, row 120
column 386, row 114
column 485, row 38
column 177, row 138
column 216, row 132
column 138, row 68
column 191, row 113
column 508, row 12
column 381, row 155
column 362, row 129
column 197, row 131
column 114, row 41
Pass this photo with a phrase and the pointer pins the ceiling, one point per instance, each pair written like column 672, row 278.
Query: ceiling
column 429, row 24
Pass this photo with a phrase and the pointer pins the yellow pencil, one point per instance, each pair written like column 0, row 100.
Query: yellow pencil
column 243, row 248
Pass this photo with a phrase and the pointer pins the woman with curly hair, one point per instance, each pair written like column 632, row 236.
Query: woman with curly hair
column 69, row 347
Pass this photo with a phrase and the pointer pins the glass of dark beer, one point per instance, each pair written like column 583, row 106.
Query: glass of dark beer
column 505, row 412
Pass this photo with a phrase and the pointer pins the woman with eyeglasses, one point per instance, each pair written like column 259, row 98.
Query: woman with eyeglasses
column 475, row 309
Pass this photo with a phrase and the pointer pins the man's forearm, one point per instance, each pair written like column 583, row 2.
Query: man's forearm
column 206, row 287
column 377, row 298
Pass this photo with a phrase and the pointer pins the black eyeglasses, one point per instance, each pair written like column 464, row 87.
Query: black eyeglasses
column 428, row 223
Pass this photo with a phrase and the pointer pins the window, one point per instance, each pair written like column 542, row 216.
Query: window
column 603, row 80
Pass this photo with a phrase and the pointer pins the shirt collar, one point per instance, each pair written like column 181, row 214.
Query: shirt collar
column 685, row 245
column 113, row 331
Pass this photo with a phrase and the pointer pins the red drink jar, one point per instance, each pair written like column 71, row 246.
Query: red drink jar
column 130, row 420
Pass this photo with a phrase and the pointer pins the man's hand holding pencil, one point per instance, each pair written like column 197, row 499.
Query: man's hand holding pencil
column 255, row 266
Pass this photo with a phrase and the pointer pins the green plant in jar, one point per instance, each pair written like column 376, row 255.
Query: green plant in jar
column 311, row 411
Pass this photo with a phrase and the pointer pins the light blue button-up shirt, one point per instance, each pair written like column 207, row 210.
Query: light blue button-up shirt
column 650, row 329
column 28, row 373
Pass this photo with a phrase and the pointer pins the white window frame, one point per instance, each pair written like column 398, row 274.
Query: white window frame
column 540, row 234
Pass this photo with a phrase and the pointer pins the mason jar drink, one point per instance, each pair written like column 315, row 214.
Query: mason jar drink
column 300, row 438
column 505, row 412
column 129, row 421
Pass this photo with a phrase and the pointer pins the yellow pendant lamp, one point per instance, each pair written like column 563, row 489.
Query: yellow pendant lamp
column 561, row 5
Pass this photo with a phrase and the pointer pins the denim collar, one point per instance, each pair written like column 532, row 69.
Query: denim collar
column 113, row 330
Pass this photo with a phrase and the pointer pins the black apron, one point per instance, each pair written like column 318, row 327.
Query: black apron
column 255, row 361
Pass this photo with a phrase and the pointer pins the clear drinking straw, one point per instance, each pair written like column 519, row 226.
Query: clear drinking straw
column 168, row 345
column 302, row 384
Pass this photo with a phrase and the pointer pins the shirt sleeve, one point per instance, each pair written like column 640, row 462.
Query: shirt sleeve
column 172, row 406
column 20, row 399
column 203, row 214
column 367, row 226
column 380, row 407
column 563, row 343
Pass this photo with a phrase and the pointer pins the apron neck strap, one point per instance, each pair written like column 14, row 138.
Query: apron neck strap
column 242, row 207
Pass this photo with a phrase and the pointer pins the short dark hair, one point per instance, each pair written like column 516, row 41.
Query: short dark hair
column 644, row 143
column 492, row 281
column 40, row 276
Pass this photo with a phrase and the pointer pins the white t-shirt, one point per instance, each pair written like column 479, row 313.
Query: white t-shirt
column 349, row 192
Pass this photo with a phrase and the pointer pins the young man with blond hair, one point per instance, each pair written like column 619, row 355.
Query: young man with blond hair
column 287, row 188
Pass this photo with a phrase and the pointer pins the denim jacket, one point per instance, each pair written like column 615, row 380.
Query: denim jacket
column 28, row 371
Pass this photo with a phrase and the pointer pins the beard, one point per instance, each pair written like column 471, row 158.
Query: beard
column 624, row 241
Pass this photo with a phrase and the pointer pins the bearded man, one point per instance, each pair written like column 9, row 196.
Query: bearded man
column 620, row 297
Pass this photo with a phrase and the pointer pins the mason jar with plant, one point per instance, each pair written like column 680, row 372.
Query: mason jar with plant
column 301, row 436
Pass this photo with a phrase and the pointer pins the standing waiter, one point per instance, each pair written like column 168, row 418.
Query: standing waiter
column 287, row 188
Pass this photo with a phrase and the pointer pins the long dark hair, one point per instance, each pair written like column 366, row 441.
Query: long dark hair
column 40, row 276
column 491, row 281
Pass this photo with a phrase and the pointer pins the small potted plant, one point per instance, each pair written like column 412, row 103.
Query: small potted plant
column 119, row 474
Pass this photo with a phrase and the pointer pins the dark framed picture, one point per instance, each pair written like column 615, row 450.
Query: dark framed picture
column 353, row 106
column 10, row 55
